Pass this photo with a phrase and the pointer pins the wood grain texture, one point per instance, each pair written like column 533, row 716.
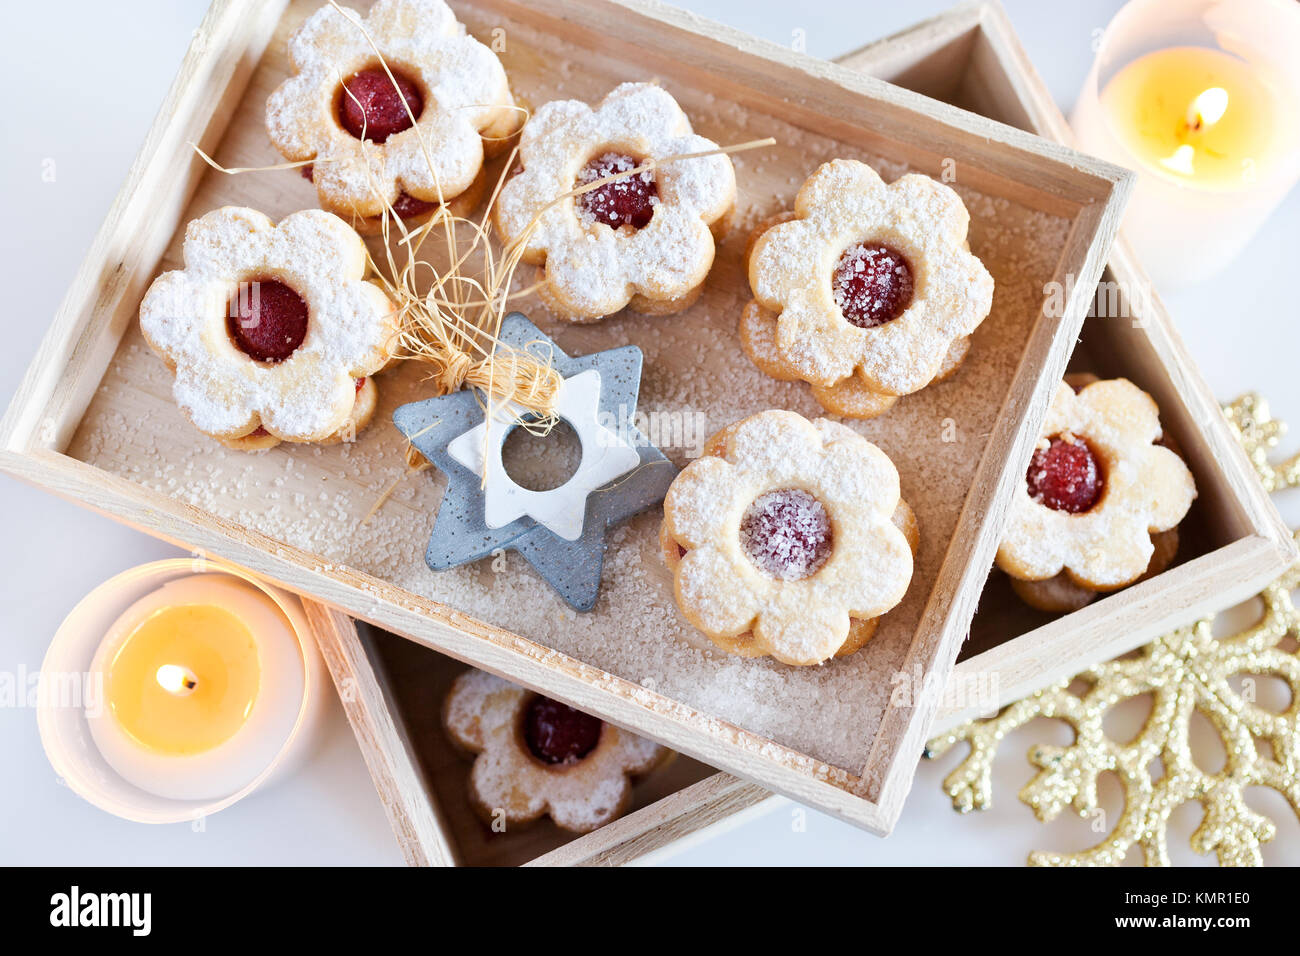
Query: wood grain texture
column 685, row 813
column 129, row 443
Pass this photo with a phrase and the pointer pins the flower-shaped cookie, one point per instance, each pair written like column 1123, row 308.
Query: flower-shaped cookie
column 870, row 280
column 743, row 645
column 535, row 755
column 789, row 535
column 342, row 109
column 643, row 241
column 1096, row 491
column 269, row 327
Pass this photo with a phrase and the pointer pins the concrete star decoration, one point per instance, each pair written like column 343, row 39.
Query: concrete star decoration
column 560, row 532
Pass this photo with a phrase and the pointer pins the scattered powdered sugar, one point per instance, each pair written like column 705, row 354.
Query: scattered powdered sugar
column 695, row 377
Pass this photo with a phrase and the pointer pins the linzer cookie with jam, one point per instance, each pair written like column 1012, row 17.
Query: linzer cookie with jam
column 644, row 240
column 788, row 538
column 534, row 755
column 866, row 291
column 272, row 330
column 1102, row 498
column 405, row 128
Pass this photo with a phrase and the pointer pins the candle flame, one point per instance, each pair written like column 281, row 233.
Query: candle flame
column 176, row 679
column 1208, row 108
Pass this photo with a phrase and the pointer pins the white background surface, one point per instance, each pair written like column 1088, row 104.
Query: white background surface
column 85, row 80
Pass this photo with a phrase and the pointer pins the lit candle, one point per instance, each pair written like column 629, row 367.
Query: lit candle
column 202, row 680
column 196, row 688
column 1208, row 121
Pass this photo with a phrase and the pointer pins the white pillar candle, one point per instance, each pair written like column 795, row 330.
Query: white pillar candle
column 1199, row 97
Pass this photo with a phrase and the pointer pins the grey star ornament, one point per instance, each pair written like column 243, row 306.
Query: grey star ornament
column 560, row 532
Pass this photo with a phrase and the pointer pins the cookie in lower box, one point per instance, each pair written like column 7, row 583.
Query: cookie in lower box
column 535, row 756
column 1102, row 498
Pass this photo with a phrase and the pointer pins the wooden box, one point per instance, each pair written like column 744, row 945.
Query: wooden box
column 1233, row 540
column 94, row 419
column 392, row 691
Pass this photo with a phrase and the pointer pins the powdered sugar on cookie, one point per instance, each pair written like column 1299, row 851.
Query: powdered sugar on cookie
column 1146, row 489
column 591, row 266
column 464, row 92
column 226, row 392
column 484, row 715
column 870, row 278
column 794, row 577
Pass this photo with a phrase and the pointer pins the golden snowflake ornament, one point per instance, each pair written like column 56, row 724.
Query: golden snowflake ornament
column 1259, row 433
column 1185, row 672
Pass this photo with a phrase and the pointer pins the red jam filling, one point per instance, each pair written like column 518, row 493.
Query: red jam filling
column 407, row 207
column 872, row 284
column 1065, row 476
column 558, row 734
column 267, row 321
column 370, row 107
column 787, row 534
column 630, row 201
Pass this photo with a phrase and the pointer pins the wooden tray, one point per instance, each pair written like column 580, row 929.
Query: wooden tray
column 1233, row 540
column 94, row 420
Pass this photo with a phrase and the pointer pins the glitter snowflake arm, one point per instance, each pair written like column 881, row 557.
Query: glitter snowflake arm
column 1259, row 433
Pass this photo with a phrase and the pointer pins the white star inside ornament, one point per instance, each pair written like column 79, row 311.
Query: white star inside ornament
column 606, row 455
